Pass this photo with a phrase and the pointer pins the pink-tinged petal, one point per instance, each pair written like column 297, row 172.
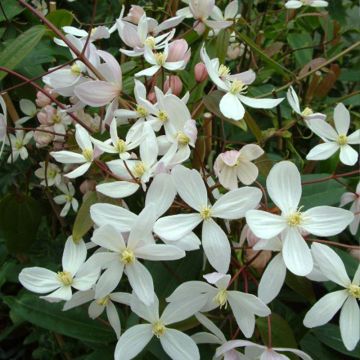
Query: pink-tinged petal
column 81, row 170
column 113, row 66
column 97, row 93
column 326, row 220
column 296, row 253
column 341, row 119
column 284, row 186
column 264, row 224
column 350, row 323
column 260, row 103
column 322, row 151
column 348, row 155
column 231, row 107
column 247, row 77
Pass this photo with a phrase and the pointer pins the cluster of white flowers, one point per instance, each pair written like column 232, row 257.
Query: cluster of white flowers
column 160, row 135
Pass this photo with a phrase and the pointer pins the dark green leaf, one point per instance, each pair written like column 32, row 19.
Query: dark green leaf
column 60, row 18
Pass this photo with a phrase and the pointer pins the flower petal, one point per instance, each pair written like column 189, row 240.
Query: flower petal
column 350, row 323
column 39, row 280
column 113, row 318
column 109, row 237
column 109, row 279
column 348, row 155
column 68, row 157
column 81, row 170
column 231, row 107
column 117, row 189
column 159, row 252
column 260, row 103
column 341, row 119
column 74, row 255
column 322, row 151
column 264, row 224
column 322, row 129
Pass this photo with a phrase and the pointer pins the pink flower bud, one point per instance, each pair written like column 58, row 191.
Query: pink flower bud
column 174, row 83
column 87, row 185
column 234, row 51
column 46, row 114
column 43, row 100
column 179, row 51
column 201, row 73
column 135, row 14
column 260, row 262
column 42, row 138
column 152, row 97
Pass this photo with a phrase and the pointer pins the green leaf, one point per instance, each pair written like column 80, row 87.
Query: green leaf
column 222, row 42
column 301, row 286
column 83, row 222
column 300, row 40
column 20, row 47
column 313, row 347
column 74, row 323
column 20, row 217
column 60, row 18
column 11, row 9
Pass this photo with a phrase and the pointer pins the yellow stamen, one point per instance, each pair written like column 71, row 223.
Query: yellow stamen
column 205, row 213
column 354, row 290
column 295, row 219
column 342, row 140
column 221, row 298
column 88, row 154
column 127, row 257
column 103, row 301
column 139, row 169
column 158, row 328
column 223, row 71
column 182, row 138
column 160, row 58
column 307, row 111
column 150, row 42
column 75, row 69
column 237, row 87
column 65, row 277
column 162, row 116
column 121, row 146
column 142, row 111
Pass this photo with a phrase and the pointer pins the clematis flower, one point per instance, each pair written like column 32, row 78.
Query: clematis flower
column 244, row 306
column 159, row 60
column 123, row 256
column 66, row 198
column 234, row 165
column 3, row 124
column 75, row 274
column 335, row 139
column 232, row 205
column 284, row 187
column 256, row 351
column 307, row 113
column 295, row 4
column 323, row 311
column 18, row 144
column 28, row 108
column 50, row 172
column 98, row 306
column 234, row 86
column 175, row 343
column 355, row 207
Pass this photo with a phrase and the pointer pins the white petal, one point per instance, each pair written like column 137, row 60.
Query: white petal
column 189, row 289
column 247, row 172
column 179, row 346
column 325, row 309
column 95, row 310
column 260, row 103
column 330, row 264
column 296, row 253
column 113, row 318
column 109, row 279
column 158, row 252
column 322, row 129
column 248, row 303
column 193, row 190
column 81, row 170
column 175, row 227
column 216, row 246
column 284, row 186
column 149, row 71
column 68, row 157
column 231, row 107
column 341, row 119
column 79, row 298
column 235, row 203
column 326, row 220
column 118, row 189
column 293, row 100
column 208, row 324
column 149, row 313
column 323, row 151
column 141, row 282
column 82, row 137
column 297, row 352
column 74, row 255
column 39, row 280
column 133, row 341
column 354, row 138
column 348, row 155
column 350, row 323
column 272, row 279
column 63, row 293
column 109, row 237
column 265, row 225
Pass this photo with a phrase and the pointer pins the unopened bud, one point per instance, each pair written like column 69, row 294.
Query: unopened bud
column 174, row 83
column 200, row 71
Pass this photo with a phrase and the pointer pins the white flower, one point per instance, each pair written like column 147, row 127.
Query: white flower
column 97, row 306
column 66, row 198
column 355, row 207
column 176, row 344
column 244, row 306
column 18, row 143
column 256, row 351
column 284, row 187
column 335, row 139
column 50, row 173
column 28, row 108
column 234, row 86
column 295, row 4
column 123, row 256
column 75, row 273
column 307, row 113
column 324, row 310
column 3, row 124
column 230, row 206
column 85, row 158
column 233, row 165
column 158, row 60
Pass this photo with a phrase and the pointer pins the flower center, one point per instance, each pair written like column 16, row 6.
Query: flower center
column 19, row 144
column 295, row 219
column 142, row 111
column 88, row 154
column 182, row 138
column 163, row 116
column 221, row 298
column 65, row 277
column 223, row 71
column 127, row 257
column 237, row 87
column 139, row 169
column 150, row 42
column 120, row 146
column 342, row 140
column 56, row 119
column 306, row 112
column 103, row 301
column 354, row 290
column 160, row 58
column 52, row 173
column 68, row 198
column 205, row 213
column 75, row 69
column 158, row 328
